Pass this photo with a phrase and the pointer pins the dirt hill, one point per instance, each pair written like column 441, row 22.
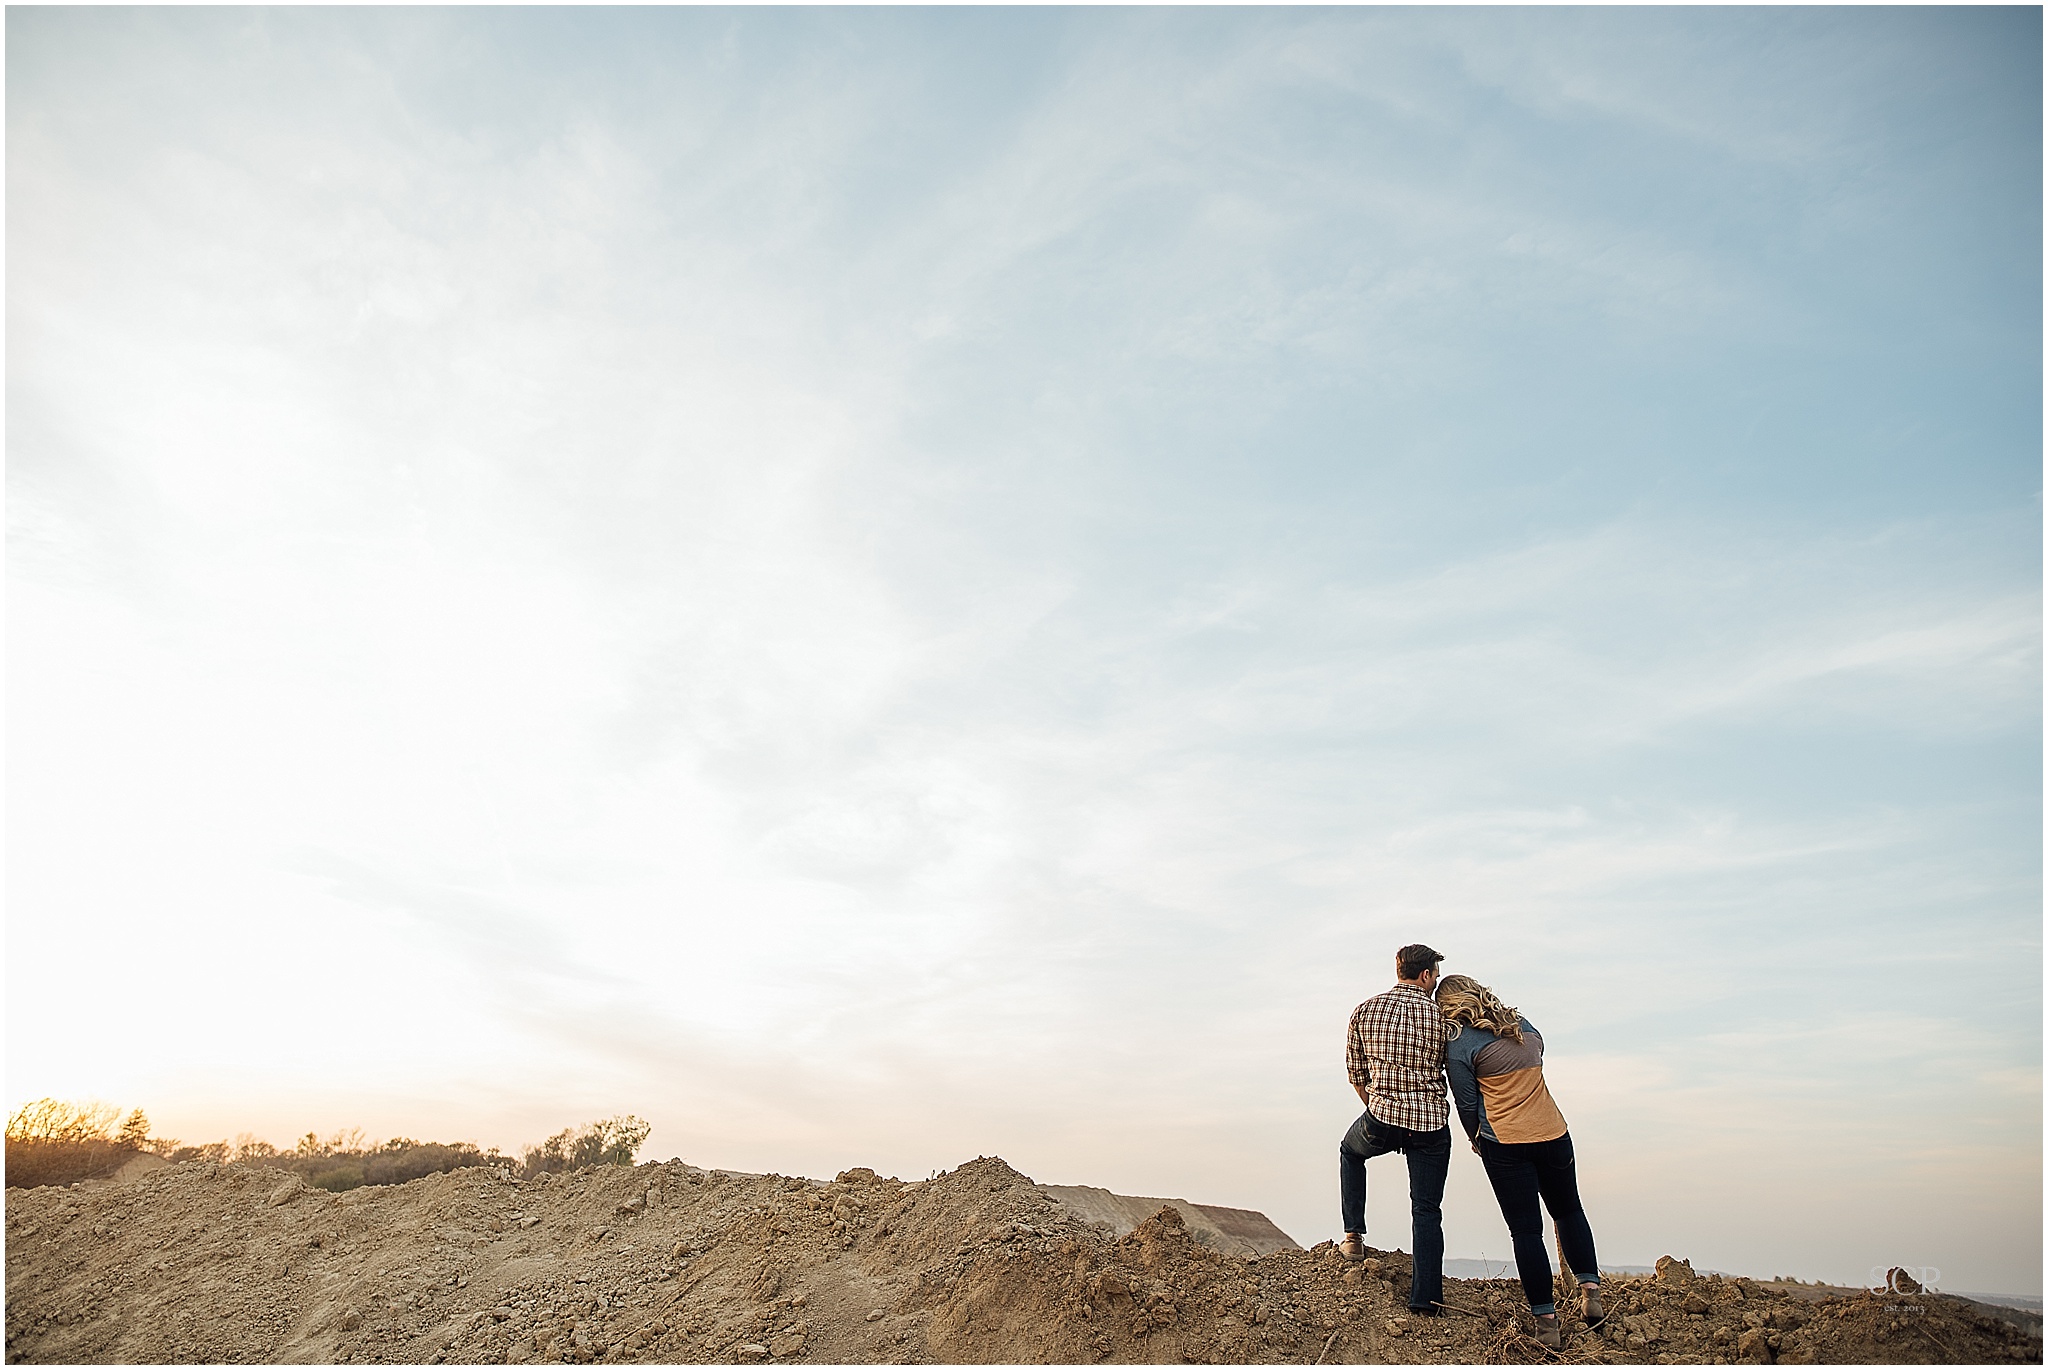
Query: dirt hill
column 668, row 1262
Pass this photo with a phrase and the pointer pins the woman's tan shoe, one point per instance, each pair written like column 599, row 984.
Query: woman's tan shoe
column 1589, row 1305
column 1548, row 1332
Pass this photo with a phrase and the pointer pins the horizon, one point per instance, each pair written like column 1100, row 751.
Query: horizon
column 874, row 587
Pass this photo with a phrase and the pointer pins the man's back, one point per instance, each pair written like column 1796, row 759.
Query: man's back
column 1396, row 1051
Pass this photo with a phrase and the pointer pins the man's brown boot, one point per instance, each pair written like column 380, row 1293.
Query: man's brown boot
column 1352, row 1248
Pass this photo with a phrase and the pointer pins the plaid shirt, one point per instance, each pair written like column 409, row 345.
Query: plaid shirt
column 1396, row 1050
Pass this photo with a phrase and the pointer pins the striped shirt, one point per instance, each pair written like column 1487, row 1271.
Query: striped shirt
column 1396, row 1051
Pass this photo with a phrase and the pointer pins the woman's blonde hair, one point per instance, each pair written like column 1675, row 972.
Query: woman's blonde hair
column 1468, row 1003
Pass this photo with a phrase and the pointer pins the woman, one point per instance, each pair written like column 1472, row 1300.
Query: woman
column 1495, row 1061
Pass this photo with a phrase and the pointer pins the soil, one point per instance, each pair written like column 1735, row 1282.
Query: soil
column 672, row 1263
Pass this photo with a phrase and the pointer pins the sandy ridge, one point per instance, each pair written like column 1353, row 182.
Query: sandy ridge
column 676, row 1263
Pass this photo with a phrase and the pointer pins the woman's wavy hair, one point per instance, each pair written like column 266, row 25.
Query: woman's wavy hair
column 1468, row 1003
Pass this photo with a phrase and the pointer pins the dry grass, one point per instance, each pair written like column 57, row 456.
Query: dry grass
column 1512, row 1345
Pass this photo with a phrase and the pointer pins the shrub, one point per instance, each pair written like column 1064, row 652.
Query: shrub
column 612, row 1141
column 337, row 1178
column 51, row 1141
column 216, row 1152
column 344, row 1162
column 402, row 1159
column 249, row 1147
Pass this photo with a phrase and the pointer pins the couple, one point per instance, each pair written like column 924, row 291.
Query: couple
column 1402, row 1043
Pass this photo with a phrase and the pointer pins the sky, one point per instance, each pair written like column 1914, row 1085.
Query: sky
column 882, row 586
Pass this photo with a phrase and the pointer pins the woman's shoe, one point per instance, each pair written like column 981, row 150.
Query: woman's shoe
column 1589, row 1305
column 1352, row 1248
column 1548, row 1334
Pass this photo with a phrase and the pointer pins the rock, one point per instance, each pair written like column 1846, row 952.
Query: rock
column 286, row 1192
column 874, row 1315
column 786, row 1344
column 751, row 1350
column 529, row 1221
column 500, row 1313
column 519, row 1351
column 1111, row 1285
column 1898, row 1281
column 1751, row 1345
column 1671, row 1270
column 1695, row 1304
column 350, row 1320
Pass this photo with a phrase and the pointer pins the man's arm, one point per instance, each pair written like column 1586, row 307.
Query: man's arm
column 1356, row 1063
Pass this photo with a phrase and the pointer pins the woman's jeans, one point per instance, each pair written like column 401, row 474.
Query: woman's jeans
column 1429, row 1162
column 1521, row 1173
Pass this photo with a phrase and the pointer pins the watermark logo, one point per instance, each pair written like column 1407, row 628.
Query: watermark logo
column 1905, row 1279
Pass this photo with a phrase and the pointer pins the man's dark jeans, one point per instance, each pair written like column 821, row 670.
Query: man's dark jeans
column 1521, row 1174
column 1429, row 1162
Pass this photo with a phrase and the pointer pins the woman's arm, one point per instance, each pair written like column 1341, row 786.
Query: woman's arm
column 1464, row 1084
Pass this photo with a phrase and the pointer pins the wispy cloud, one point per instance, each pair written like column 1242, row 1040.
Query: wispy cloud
column 896, row 586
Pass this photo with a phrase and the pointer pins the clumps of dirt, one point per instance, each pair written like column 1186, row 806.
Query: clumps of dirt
column 674, row 1263
column 1678, row 1317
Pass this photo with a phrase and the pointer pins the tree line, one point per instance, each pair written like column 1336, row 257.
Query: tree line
column 53, row 1141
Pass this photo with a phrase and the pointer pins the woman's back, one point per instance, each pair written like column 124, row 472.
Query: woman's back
column 1501, row 1080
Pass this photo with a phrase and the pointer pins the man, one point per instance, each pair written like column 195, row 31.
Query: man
column 1395, row 1054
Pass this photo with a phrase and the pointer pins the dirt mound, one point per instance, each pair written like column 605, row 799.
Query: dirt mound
column 1239, row 1231
column 668, row 1263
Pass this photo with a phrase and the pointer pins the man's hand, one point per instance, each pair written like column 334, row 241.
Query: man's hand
column 1364, row 1095
column 1475, row 1147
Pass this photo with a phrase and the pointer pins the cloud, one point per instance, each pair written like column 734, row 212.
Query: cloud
column 853, row 621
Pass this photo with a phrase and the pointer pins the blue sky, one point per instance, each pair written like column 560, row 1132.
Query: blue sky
column 883, row 586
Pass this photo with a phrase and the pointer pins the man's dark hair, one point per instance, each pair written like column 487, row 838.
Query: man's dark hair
column 1414, row 959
